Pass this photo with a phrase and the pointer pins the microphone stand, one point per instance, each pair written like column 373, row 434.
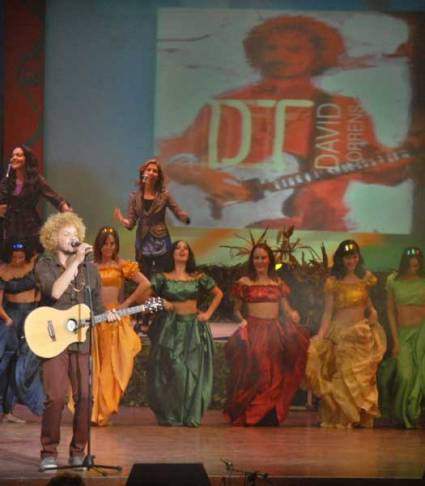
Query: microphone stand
column 250, row 476
column 88, row 462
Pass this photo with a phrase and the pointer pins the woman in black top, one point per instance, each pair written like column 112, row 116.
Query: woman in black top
column 19, row 367
column 20, row 191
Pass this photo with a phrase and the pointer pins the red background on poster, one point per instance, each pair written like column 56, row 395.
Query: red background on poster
column 23, row 76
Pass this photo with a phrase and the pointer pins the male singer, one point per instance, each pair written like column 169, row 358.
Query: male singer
column 61, row 278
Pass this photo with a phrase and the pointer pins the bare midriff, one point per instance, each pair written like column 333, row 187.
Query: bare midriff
column 263, row 310
column 25, row 297
column 410, row 315
column 185, row 307
column 350, row 315
column 110, row 295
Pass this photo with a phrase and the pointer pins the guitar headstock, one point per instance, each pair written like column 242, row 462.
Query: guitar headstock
column 154, row 304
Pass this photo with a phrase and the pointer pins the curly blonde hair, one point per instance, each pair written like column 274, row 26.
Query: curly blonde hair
column 50, row 230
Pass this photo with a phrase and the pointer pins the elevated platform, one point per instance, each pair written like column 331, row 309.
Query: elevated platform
column 297, row 453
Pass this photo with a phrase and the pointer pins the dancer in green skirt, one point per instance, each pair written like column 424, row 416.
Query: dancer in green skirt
column 402, row 376
column 180, row 367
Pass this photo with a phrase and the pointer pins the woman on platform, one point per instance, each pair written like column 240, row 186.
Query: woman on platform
column 401, row 377
column 180, row 367
column 115, row 344
column 266, row 355
column 344, row 356
column 20, row 191
column 147, row 206
column 19, row 367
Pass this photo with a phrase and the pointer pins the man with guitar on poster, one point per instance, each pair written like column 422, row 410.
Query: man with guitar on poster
column 61, row 277
column 281, row 150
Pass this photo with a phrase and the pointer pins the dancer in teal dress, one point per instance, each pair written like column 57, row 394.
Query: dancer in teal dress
column 180, row 367
column 402, row 376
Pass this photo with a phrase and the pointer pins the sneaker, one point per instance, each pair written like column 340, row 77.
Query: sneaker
column 13, row 419
column 48, row 463
column 76, row 461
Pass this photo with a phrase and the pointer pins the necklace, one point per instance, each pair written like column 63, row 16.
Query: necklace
column 75, row 286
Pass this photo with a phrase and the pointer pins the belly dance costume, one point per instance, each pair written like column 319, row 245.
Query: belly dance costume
column 180, row 365
column 401, row 379
column 341, row 368
column 19, row 367
column 115, row 346
column 266, row 360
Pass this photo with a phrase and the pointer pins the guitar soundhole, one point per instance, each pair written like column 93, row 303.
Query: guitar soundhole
column 71, row 325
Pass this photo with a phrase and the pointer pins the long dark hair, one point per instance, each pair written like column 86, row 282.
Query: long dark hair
column 346, row 248
column 170, row 265
column 409, row 253
column 252, row 273
column 159, row 183
column 31, row 170
column 101, row 237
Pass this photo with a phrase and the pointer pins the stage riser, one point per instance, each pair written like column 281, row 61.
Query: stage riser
column 296, row 453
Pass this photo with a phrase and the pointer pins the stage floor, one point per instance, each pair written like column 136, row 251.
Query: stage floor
column 299, row 448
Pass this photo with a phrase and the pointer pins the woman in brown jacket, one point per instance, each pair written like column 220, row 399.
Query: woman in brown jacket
column 147, row 207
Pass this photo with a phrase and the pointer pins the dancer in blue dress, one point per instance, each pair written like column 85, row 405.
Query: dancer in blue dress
column 19, row 367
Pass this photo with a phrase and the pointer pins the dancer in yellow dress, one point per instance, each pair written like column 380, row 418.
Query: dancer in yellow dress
column 115, row 345
column 343, row 358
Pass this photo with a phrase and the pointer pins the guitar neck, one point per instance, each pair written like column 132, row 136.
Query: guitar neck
column 293, row 181
column 121, row 313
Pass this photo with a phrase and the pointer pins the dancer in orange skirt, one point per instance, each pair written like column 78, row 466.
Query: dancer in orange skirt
column 115, row 345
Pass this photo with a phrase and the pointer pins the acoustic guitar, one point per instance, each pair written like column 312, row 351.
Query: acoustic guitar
column 49, row 331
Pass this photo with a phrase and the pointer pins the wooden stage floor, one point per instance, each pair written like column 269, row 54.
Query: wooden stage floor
column 297, row 449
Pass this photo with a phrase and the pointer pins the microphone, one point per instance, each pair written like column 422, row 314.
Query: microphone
column 144, row 178
column 228, row 464
column 89, row 257
column 9, row 168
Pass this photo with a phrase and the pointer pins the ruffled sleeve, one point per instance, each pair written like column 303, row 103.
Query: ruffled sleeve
column 370, row 279
column 389, row 285
column 206, row 282
column 129, row 268
column 158, row 282
column 330, row 285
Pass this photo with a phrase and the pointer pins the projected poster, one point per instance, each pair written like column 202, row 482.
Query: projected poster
column 272, row 118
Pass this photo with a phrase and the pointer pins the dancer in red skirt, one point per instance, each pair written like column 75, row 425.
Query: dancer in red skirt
column 266, row 355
